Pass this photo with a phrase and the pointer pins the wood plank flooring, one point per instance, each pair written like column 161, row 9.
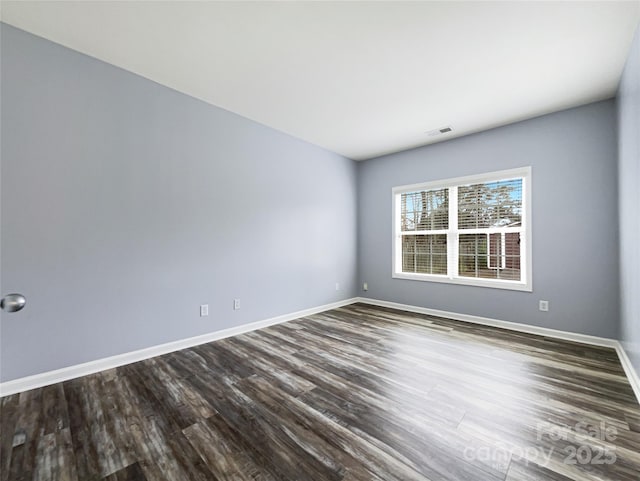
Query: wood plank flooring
column 357, row 393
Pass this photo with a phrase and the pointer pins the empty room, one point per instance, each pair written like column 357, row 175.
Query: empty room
column 320, row 240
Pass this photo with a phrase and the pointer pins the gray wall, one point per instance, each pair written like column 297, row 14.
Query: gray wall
column 575, row 246
column 138, row 204
column 126, row 205
column 629, row 175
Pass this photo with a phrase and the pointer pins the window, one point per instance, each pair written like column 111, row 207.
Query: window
column 471, row 230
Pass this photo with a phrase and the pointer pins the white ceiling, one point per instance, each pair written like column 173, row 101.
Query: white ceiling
column 358, row 78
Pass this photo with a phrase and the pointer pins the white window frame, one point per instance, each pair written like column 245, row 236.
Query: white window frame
column 453, row 233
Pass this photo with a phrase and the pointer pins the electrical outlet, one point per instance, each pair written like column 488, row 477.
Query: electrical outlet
column 544, row 306
column 236, row 304
column 365, row 287
column 204, row 310
column 337, row 286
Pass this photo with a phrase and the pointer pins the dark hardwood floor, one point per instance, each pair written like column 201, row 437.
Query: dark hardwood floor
column 357, row 393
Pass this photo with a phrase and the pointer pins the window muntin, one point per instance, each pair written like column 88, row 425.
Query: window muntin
column 472, row 230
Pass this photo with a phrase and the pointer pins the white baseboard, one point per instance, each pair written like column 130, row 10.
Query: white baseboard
column 629, row 370
column 91, row 367
column 79, row 370
column 486, row 321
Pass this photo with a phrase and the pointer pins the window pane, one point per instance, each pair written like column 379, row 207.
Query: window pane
column 490, row 256
column 424, row 254
column 492, row 204
column 425, row 210
column 494, row 250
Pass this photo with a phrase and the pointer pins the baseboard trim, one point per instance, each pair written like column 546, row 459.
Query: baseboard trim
column 487, row 321
column 91, row 367
column 629, row 370
column 51, row 377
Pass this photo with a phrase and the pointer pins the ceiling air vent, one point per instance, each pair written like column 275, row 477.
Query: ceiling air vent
column 443, row 130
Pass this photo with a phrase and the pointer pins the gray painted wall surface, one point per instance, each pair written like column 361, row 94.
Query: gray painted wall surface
column 140, row 203
column 629, row 195
column 575, row 221
column 126, row 205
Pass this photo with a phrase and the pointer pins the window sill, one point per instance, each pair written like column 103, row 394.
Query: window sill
column 491, row 283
